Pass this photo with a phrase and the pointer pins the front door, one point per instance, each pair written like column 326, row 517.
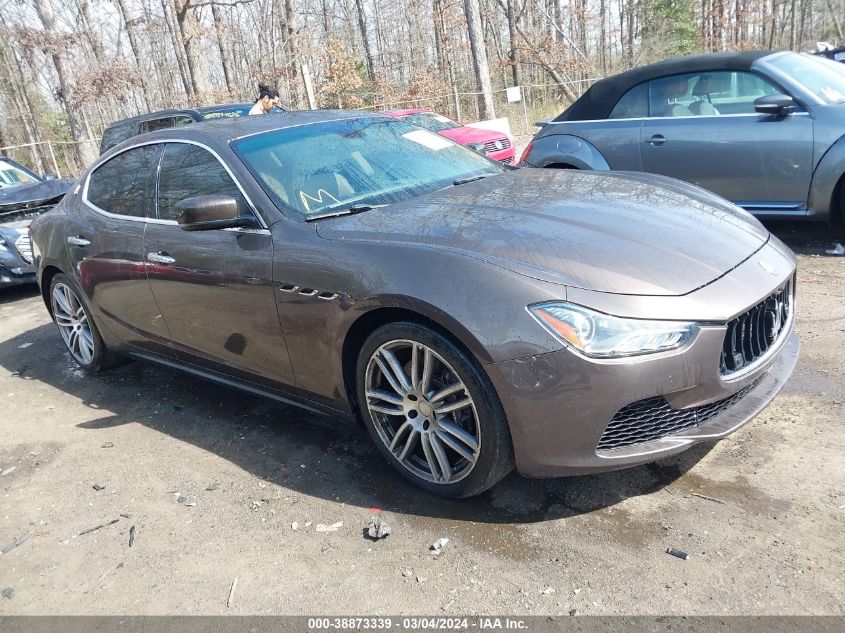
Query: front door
column 214, row 287
column 703, row 129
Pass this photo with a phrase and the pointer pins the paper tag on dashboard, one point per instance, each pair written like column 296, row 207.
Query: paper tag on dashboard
column 428, row 139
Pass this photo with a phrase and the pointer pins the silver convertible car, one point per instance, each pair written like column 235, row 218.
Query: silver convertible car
column 764, row 130
column 472, row 318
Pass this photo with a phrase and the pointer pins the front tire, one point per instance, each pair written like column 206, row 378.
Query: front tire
column 77, row 328
column 431, row 411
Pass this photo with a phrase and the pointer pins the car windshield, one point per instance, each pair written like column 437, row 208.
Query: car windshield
column 824, row 78
column 12, row 176
column 431, row 121
column 335, row 165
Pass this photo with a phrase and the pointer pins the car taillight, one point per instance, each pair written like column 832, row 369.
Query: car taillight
column 526, row 152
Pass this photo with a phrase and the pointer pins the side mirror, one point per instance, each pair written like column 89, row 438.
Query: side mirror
column 774, row 105
column 49, row 177
column 207, row 213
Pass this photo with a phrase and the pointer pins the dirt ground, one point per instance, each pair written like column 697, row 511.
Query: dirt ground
column 213, row 480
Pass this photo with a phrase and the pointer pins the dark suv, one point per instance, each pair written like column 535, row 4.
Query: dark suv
column 121, row 130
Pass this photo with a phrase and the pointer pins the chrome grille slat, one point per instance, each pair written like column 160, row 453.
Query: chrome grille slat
column 497, row 145
column 751, row 335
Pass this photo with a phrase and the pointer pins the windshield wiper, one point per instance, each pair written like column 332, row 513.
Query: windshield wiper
column 355, row 208
column 463, row 181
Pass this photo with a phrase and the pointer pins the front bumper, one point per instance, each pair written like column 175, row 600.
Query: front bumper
column 14, row 270
column 559, row 404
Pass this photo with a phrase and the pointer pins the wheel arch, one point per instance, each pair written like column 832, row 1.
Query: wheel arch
column 566, row 151
column 378, row 315
column 828, row 182
column 47, row 275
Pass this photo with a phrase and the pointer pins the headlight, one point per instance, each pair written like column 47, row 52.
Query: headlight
column 478, row 147
column 603, row 336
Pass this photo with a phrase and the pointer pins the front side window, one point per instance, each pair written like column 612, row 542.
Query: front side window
column 319, row 168
column 12, row 176
column 187, row 171
column 119, row 185
column 710, row 93
column 633, row 104
column 181, row 120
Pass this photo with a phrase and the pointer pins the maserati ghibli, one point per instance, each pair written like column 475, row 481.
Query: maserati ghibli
column 472, row 317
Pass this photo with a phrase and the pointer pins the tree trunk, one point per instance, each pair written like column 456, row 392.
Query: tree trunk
column 178, row 50
column 479, row 59
column 14, row 89
column 135, row 46
column 514, row 53
column 85, row 149
column 189, row 31
column 225, row 57
column 368, row 52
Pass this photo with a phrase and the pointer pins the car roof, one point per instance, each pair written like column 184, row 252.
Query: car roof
column 598, row 101
column 221, row 131
column 176, row 111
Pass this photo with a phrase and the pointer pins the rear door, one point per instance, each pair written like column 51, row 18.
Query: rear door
column 703, row 129
column 106, row 246
column 214, row 287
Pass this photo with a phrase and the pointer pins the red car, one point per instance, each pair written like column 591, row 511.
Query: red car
column 495, row 145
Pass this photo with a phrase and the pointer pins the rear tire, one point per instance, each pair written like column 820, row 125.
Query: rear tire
column 431, row 411
column 77, row 328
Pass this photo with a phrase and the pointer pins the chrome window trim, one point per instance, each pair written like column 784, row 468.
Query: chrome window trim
column 677, row 118
column 156, row 220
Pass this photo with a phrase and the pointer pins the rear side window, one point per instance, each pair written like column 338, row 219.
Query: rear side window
column 119, row 185
column 188, row 171
column 632, row 105
column 115, row 134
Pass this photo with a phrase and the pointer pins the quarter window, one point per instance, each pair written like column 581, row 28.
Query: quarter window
column 119, row 185
column 633, row 104
column 188, row 171
column 157, row 124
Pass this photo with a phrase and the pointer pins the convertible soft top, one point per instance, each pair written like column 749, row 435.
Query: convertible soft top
column 598, row 101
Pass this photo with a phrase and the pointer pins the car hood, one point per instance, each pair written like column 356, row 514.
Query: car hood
column 24, row 196
column 466, row 135
column 610, row 232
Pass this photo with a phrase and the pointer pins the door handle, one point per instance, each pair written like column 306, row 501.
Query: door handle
column 160, row 258
column 78, row 240
column 657, row 139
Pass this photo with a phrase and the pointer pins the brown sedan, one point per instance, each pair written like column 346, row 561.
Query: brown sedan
column 473, row 318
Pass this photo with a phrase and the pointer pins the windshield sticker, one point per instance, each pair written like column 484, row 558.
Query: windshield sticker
column 442, row 119
column 221, row 115
column 322, row 197
column 427, row 139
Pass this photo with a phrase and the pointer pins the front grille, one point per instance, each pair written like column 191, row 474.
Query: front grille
column 654, row 418
column 506, row 161
column 24, row 246
column 497, row 145
column 750, row 335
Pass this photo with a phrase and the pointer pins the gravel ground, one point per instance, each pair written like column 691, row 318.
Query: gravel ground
column 220, row 485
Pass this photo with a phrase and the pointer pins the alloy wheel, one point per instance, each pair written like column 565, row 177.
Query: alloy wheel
column 72, row 320
column 423, row 411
